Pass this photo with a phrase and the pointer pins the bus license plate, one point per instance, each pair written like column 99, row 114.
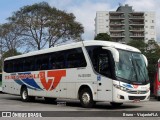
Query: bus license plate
column 136, row 100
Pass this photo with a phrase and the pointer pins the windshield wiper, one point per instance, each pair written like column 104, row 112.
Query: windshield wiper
column 140, row 70
column 134, row 70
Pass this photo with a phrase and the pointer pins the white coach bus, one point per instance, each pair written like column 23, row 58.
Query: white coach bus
column 90, row 71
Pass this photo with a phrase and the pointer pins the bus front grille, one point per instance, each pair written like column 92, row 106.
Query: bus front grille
column 136, row 97
column 137, row 92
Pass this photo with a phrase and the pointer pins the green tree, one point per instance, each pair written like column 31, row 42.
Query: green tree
column 103, row 36
column 11, row 53
column 10, row 37
column 141, row 45
column 45, row 25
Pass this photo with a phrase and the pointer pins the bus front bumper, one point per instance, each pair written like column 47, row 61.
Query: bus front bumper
column 121, row 96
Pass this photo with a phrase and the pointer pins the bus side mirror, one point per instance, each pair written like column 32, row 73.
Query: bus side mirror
column 145, row 60
column 114, row 52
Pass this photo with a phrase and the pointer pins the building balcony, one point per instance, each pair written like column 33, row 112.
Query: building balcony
column 116, row 17
column 136, row 30
column 117, row 35
column 120, row 40
column 137, row 35
column 138, row 39
column 116, row 13
column 116, row 29
column 116, row 23
column 136, row 17
column 137, row 13
column 136, row 23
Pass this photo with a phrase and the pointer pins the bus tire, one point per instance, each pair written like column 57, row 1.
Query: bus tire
column 114, row 104
column 24, row 95
column 86, row 98
column 49, row 100
column 158, row 98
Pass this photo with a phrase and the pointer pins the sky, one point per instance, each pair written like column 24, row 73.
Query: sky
column 84, row 10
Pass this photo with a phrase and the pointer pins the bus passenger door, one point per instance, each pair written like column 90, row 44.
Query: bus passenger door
column 104, row 78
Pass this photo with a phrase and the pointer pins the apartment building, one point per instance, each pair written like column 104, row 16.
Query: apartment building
column 125, row 24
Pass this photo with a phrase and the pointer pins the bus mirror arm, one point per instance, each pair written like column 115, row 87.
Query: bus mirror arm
column 114, row 52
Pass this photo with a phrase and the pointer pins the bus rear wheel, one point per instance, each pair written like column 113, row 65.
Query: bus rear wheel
column 49, row 100
column 158, row 98
column 25, row 97
column 86, row 98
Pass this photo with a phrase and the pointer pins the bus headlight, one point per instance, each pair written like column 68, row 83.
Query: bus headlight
column 120, row 87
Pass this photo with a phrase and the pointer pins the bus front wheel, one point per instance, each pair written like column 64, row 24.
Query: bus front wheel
column 86, row 98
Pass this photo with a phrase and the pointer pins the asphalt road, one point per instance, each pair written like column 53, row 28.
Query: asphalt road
column 63, row 107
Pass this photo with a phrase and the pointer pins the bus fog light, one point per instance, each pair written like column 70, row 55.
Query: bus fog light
column 120, row 97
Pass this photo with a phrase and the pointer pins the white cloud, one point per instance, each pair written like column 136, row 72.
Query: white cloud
column 61, row 4
column 85, row 13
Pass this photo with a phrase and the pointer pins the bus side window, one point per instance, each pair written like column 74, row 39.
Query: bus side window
column 10, row 66
column 38, row 63
column 76, row 58
column 52, row 60
column 44, row 62
column 60, row 60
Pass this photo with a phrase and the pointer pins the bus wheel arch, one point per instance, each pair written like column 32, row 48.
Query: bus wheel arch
column 86, row 96
column 24, row 94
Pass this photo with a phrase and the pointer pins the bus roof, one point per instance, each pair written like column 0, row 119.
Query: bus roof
column 78, row 44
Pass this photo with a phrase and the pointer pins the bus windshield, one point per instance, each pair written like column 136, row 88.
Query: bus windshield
column 131, row 67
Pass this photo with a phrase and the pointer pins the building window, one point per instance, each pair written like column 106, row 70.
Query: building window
column 152, row 27
column 152, row 21
column 145, row 20
column 100, row 15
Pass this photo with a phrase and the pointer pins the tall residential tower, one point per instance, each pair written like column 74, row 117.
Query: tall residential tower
column 125, row 24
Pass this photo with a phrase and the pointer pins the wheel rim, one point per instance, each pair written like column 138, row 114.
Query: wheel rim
column 86, row 98
column 24, row 94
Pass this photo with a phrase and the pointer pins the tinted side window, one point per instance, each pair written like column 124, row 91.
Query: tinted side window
column 29, row 64
column 59, row 60
column 75, row 58
column 44, row 62
column 71, row 58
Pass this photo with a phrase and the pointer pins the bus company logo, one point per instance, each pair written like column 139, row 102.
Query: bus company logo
column 127, row 86
column 54, row 78
column 49, row 79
